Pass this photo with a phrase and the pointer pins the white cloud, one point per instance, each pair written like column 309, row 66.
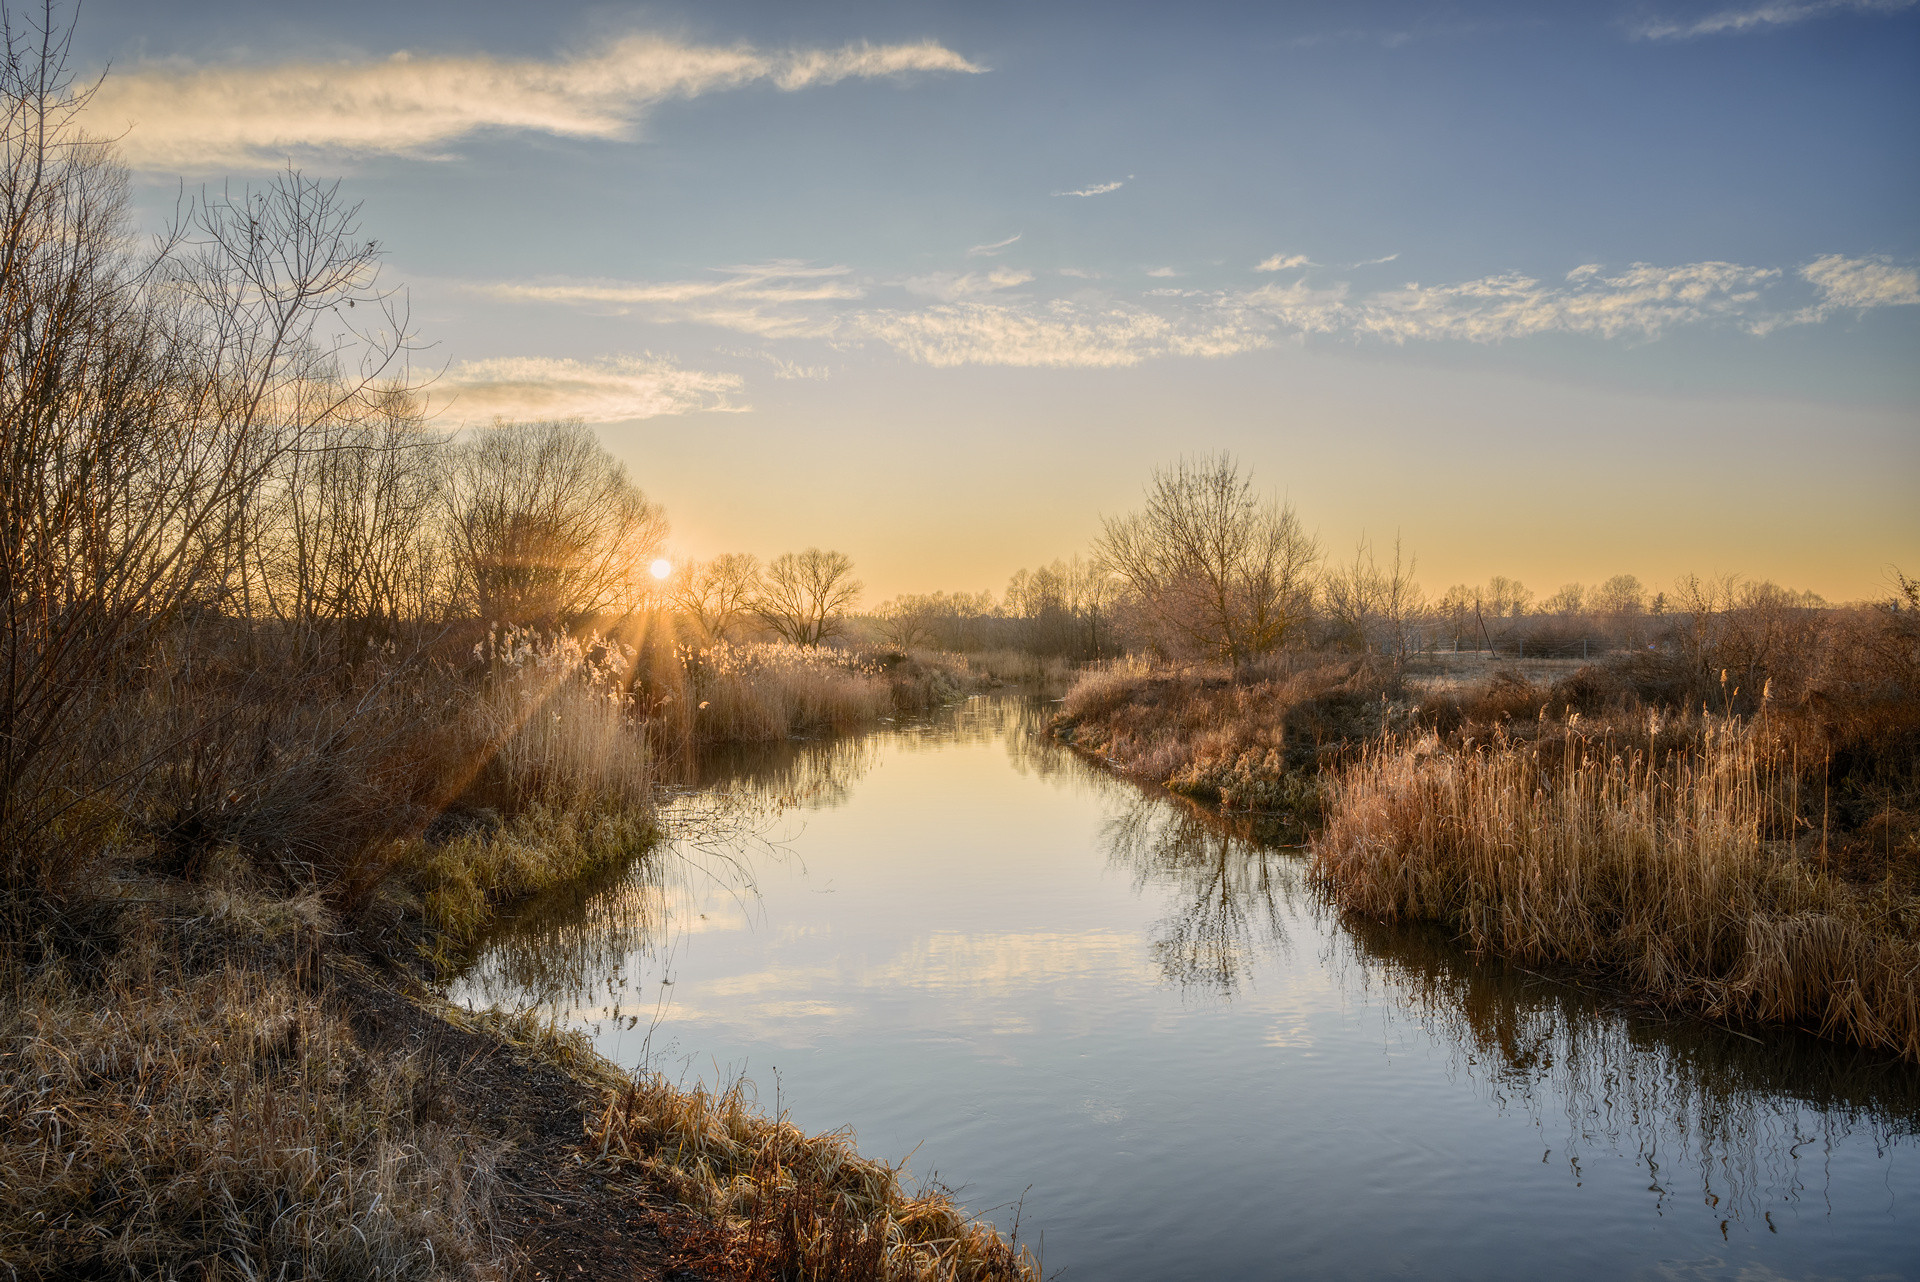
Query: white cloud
column 975, row 321
column 1282, row 263
column 1375, row 262
column 599, row 391
column 790, row 370
column 1098, row 189
column 758, row 298
column 198, row 118
column 784, row 281
column 948, row 286
column 1161, row 273
column 1773, row 13
column 987, row 251
column 1643, row 301
column 1059, row 335
column 1863, row 282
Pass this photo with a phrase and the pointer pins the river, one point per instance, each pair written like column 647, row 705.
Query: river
column 1110, row 1014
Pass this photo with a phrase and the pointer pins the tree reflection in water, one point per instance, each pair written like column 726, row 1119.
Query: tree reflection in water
column 1228, row 896
column 1740, row 1123
column 579, row 949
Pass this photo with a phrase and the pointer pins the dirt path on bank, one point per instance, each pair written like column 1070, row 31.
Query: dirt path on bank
column 554, row 1217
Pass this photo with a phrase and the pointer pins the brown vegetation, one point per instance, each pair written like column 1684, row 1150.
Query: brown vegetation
column 295, row 692
column 1254, row 744
column 784, row 1204
column 1674, row 870
column 1728, row 824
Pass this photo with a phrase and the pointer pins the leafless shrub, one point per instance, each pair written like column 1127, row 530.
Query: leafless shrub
column 144, row 405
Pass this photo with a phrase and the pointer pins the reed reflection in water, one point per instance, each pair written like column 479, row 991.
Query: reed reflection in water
column 1690, row 1100
column 1160, row 1026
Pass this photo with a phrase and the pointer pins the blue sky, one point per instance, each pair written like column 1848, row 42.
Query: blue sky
column 1554, row 291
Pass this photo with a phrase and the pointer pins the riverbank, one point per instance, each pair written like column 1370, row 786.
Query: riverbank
column 1756, row 866
column 204, row 1080
column 222, row 1051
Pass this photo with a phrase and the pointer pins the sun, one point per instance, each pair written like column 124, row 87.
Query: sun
column 661, row 568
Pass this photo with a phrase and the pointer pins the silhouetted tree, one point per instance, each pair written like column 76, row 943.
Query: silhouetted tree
column 544, row 524
column 804, row 594
column 717, row 595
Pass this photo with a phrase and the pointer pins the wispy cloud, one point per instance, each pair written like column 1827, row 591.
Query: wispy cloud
column 1098, row 189
column 987, row 251
column 1862, row 282
column 1774, row 13
column 195, row 118
column 985, row 317
column 948, row 286
column 1282, row 263
column 599, row 391
column 1058, row 335
column 750, row 298
column 1162, row 273
column 1643, row 301
column 1375, row 262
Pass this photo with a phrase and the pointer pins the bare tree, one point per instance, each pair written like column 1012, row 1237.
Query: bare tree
column 1506, row 598
column 1619, row 595
column 1063, row 608
column 1570, row 600
column 1217, row 569
column 544, row 525
column 911, row 619
column 1373, row 606
column 717, row 595
column 348, row 548
column 144, row 402
column 804, row 594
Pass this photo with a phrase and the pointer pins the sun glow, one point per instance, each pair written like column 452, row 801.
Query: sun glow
column 661, row 568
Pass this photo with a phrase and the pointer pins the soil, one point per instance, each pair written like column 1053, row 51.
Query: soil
column 556, row 1218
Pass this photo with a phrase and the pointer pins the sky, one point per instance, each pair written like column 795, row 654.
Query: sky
column 1550, row 291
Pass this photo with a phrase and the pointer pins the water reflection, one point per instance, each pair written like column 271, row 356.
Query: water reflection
column 809, row 774
column 1228, row 897
column 1736, row 1115
column 1711, row 1117
column 1707, row 1111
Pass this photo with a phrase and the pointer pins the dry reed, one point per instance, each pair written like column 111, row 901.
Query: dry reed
column 1677, row 874
column 762, row 691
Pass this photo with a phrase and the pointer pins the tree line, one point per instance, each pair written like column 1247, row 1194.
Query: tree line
column 1208, row 567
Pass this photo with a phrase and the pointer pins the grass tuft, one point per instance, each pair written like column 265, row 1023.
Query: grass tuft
column 785, row 1204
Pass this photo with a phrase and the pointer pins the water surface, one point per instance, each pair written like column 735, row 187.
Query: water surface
column 1102, row 1010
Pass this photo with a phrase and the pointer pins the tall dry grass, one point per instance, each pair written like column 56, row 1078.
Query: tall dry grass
column 1678, row 874
column 758, row 692
column 1043, row 673
column 553, row 723
column 785, row 1204
column 769, row 690
column 197, row 1107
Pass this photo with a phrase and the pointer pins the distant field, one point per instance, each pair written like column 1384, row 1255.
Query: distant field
column 1443, row 672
